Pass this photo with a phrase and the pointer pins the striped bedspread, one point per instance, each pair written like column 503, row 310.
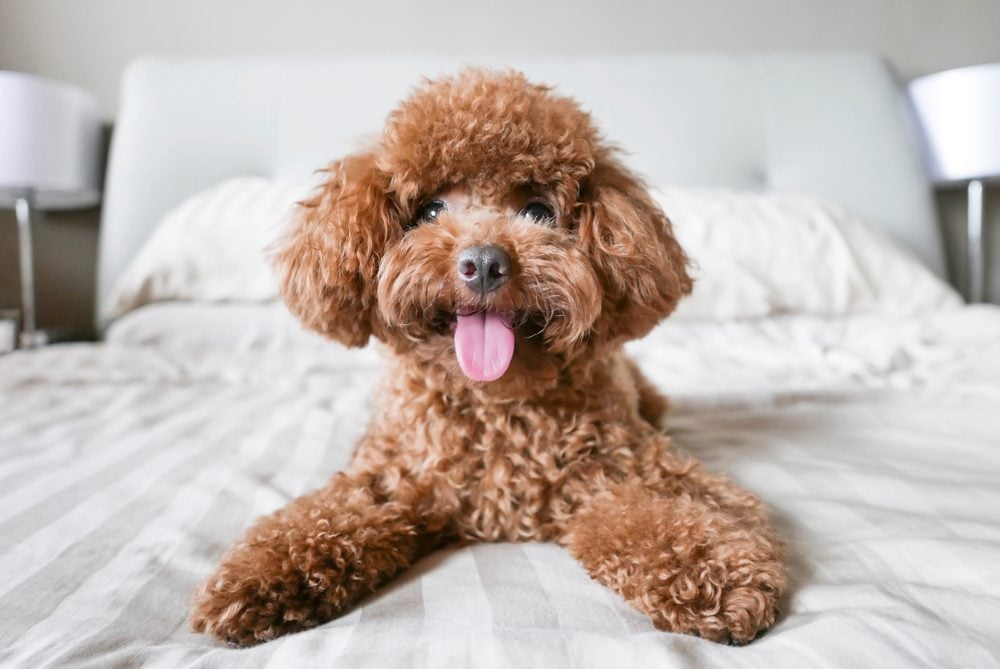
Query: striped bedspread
column 126, row 470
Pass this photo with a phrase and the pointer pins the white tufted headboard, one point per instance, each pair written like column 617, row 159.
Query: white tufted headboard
column 829, row 124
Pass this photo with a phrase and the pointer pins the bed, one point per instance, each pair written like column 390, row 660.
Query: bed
column 867, row 418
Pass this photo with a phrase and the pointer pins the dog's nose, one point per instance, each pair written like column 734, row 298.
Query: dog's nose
column 484, row 268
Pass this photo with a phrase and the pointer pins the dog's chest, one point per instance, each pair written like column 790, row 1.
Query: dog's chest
column 514, row 467
column 504, row 470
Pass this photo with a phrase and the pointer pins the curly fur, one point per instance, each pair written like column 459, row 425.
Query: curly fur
column 565, row 446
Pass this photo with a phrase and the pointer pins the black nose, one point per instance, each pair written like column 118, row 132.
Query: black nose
column 483, row 268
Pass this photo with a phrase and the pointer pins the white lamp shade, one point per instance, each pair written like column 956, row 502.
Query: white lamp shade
column 50, row 143
column 960, row 114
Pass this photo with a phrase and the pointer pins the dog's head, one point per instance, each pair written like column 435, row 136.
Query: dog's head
column 491, row 230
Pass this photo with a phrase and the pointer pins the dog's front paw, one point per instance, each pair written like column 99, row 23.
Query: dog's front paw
column 726, row 591
column 725, row 615
column 246, row 609
column 261, row 591
column 306, row 564
column 746, row 612
column 692, row 567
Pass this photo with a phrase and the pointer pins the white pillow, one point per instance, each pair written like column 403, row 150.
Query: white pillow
column 758, row 254
column 211, row 247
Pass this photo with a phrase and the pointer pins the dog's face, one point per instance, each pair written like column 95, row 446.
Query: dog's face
column 490, row 231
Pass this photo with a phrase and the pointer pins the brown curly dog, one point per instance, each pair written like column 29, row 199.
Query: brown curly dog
column 497, row 247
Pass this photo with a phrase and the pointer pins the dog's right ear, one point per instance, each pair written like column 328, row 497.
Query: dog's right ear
column 327, row 264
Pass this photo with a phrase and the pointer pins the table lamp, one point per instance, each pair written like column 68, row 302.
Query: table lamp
column 50, row 150
column 960, row 114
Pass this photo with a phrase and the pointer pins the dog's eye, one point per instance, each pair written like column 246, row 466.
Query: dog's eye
column 539, row 212
column 429, row 212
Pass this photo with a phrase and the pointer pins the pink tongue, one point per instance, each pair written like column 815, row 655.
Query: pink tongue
column 484, row 343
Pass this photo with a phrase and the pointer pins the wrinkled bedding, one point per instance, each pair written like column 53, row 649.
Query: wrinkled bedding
column 127, row 468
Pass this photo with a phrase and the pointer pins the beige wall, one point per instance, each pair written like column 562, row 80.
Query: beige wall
column 88, row 42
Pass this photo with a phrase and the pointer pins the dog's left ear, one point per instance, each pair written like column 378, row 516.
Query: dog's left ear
column 642, row 269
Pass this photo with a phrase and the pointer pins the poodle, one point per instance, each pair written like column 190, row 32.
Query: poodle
column 501, row 252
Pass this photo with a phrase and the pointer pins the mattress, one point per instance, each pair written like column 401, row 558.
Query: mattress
column 127, row 468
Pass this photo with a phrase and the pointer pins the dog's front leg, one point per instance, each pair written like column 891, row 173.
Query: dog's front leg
column 308, row 562
column 695, row 563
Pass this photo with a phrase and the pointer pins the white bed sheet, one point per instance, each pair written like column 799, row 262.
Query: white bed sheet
column 127, row 468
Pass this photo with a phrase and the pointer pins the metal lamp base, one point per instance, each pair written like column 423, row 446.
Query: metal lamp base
column 24, row 208
column 974, row 239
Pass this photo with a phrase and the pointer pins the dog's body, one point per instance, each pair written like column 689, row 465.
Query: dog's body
column 504, row 256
